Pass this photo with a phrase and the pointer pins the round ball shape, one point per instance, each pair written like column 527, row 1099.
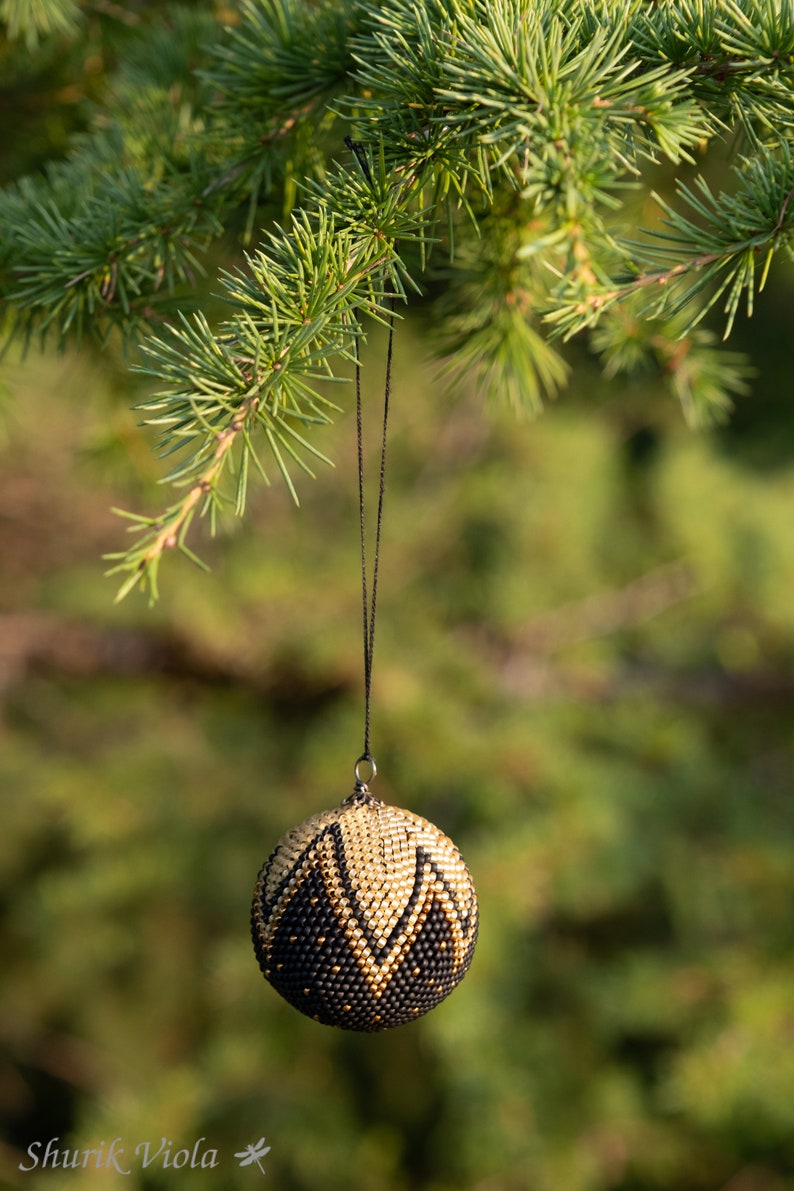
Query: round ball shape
column 364, row 916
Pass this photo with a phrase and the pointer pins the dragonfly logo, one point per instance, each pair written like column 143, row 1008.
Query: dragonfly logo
column 252, row 1154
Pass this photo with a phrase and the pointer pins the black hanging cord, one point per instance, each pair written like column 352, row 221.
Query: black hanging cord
column 369, row 600
column 357, row 148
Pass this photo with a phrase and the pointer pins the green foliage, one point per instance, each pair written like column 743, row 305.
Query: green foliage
column 262, row 367
column 504, row 141
column 586, row 645
column 33, row 19
column 603, row 724
column 701, row 375
column 722, row 247
column 599, row 716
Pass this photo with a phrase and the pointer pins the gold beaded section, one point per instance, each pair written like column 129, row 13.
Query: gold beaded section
column 364, row 916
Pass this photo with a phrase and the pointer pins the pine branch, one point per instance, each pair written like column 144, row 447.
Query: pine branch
column 488, row 318
column 566, row 86
column 296, row 309
column 561, row 106
column 107, row 237
column 106, row 264
column 739, row 57
column 169, row 530
column 723, row 246
column 275, row 77
column 495, row 142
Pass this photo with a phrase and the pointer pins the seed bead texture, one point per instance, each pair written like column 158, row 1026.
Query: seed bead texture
column 364, row 916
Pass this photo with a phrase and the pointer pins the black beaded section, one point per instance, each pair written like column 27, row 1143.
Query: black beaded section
column 364, row 917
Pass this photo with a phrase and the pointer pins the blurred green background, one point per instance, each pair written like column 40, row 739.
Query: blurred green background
column 584, row 674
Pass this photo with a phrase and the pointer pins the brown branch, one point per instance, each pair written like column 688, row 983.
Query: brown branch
column 664, row 276
column 168, row 537
column 611, row 611
column 661, row 278
column 783, row 210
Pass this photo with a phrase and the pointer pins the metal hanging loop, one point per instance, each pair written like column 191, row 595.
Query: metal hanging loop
column 362, row 783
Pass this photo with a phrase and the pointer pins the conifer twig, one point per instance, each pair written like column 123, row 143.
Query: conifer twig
column 499, row 140
column 168, row 533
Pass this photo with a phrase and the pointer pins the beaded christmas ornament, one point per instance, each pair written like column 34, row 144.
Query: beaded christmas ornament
column 365, row 916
